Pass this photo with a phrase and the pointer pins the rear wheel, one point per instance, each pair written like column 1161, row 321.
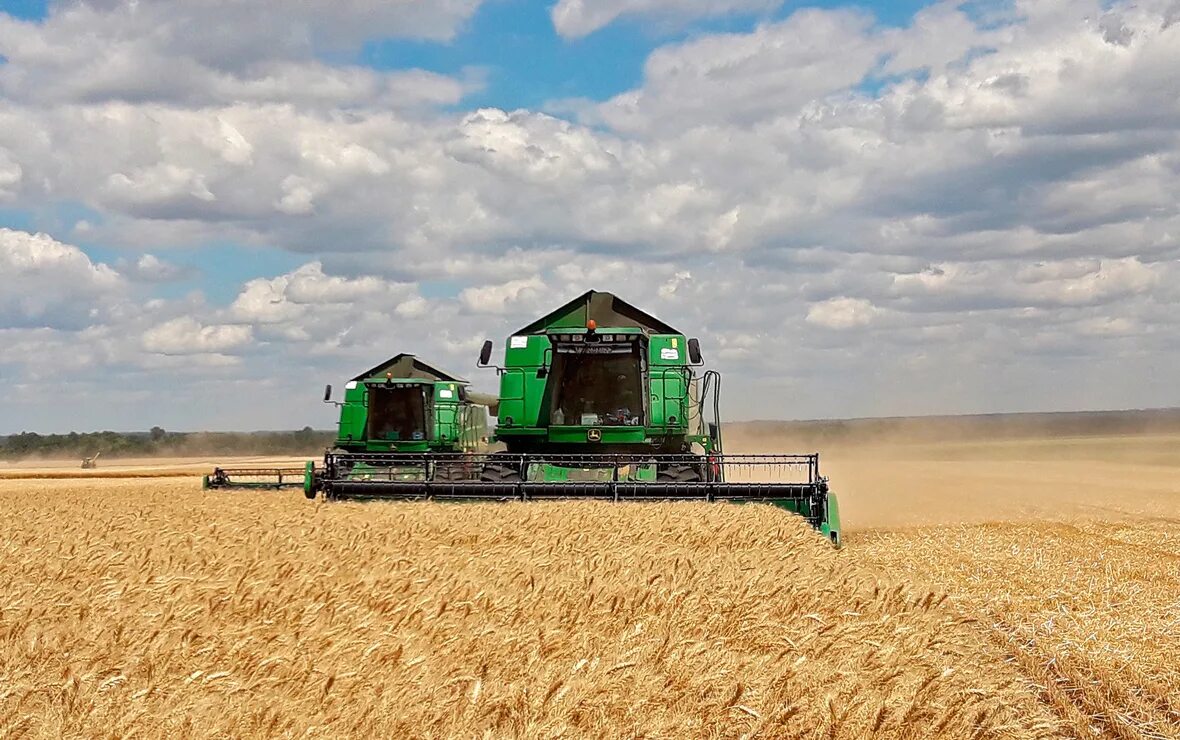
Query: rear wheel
column 679, row 473
column 450, row 471
column 500, row 473
column 501, row 468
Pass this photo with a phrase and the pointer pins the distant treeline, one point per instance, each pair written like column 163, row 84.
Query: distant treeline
column 164, row 443
column 981, row 426
column 308, row 441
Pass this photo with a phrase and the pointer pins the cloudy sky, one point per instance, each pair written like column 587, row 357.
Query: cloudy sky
column 210, row 208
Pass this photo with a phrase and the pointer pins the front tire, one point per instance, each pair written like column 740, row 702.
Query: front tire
column 679, row 473
column 495, row 472
column 452, row 472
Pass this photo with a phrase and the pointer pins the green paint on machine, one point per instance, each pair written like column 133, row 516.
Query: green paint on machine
column 390, row 417
column 601, row 399
column 405, row 405
column 598, row 399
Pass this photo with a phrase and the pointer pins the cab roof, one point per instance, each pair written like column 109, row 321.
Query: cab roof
column 408, row 367
column 606, row 310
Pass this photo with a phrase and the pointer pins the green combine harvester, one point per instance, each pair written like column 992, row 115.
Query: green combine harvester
column 394, row 419
column 598, row 400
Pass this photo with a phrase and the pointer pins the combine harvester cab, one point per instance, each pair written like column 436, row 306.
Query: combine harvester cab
column 601, row 400
column 402, row 421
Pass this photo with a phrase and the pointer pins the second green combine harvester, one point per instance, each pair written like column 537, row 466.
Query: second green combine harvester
column 599, row 399
column 403, row 420
column 393, row 417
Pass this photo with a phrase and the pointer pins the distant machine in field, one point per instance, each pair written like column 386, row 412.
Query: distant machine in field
column 89, row 463
column 598, row 399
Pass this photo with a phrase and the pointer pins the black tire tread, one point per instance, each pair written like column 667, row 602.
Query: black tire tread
column 683, row 473
column 497, row 473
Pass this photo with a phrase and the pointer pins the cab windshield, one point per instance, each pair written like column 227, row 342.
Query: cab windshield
column 397, row 413
column 596, row 385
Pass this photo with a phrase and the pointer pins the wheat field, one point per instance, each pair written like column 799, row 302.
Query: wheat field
column 1002, row 589
column 147, row 608
column 1091, row 610
column 1068, row 549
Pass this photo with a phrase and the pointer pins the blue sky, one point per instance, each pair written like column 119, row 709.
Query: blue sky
column 31, row 9
column 514, row 48
column 211, row 209
column 528, row 64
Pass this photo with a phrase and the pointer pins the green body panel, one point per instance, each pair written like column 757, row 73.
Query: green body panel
column 609, row 435
column 831, row 526
column 353, row 415
column 364, row 471
column 557, row 473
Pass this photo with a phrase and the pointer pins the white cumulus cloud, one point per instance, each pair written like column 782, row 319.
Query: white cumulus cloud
column 48, row 283
column 984, row 201
column 187, row 336
column 149, row 268
column 497, row 299
column 842, row 313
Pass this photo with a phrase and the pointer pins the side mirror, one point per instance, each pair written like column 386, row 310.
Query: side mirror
column 485, row 353
column 694, row 351
column 328, row 393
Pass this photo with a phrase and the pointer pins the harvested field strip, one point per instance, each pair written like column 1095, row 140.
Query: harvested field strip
column 1055, row 691
column 1093, row 707
column 1090, row 610
column 81, row 475
column 149, row 607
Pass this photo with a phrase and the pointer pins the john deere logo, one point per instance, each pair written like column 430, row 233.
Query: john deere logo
column 594, row 435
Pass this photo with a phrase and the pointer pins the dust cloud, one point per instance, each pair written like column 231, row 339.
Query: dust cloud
column 912, row 472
